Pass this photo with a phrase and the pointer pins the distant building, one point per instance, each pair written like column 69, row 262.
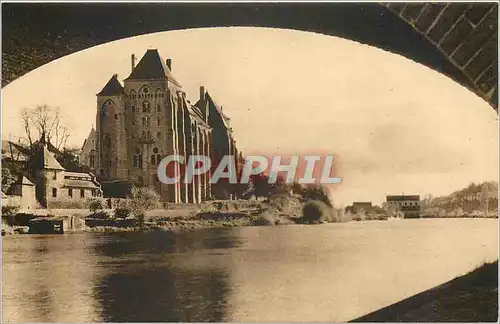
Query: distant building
column 57, row 188
column 409, row 205
column 358, row 206
column 42, row 181
column 88, row 153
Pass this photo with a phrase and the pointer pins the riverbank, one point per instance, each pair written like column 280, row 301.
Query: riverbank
column 469, row 298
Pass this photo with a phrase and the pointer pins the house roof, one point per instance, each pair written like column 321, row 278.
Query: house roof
column 211, row 102
column 150, row 67
column 69, row 183
column 24, row 181
column 112, row 88
column 403, row 197
column 44, row 159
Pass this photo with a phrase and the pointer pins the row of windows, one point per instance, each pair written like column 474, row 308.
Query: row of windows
column 145, row 121
column 406, row 203
column 146, row 95
column 146, row 107
column 70, row 193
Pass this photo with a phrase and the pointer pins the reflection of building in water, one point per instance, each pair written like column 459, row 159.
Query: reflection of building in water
column 187, row 287
column 409, row 205
column 150, row 117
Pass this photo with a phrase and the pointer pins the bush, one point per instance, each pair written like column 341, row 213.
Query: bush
column 143, row 199
column 316, row 211
column 10, row 211
column 95, row 205
column 122, row 212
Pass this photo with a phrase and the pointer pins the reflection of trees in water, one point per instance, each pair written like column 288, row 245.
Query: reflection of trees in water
column 150, row 291
column 164, row 295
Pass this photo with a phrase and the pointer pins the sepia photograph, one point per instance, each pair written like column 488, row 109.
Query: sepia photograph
column 249, row 162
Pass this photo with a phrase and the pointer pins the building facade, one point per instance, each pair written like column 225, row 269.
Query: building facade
column 409, row 205
column 149, row 117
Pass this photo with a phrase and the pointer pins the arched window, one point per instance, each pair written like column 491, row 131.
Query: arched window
column 133, row 94
column 158, row 93
column 144, row 92
column 146, row 106
column 153, row 159
column 158, row 121
column 158, row 134
column 155, row 150
column 106, row 107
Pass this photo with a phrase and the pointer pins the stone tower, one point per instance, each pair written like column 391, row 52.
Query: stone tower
column 146, row 119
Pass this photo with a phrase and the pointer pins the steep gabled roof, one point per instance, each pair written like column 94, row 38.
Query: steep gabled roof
column 152, row 67
column 112, row 88
column 212, row 102
column 44, row 159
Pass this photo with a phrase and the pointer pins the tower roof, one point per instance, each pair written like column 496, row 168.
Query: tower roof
column 150, row 67
column 112, row 88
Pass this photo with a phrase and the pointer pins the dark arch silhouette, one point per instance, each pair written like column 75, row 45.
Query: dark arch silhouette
column 456, row 39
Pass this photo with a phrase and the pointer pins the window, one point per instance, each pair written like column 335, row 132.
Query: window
column 93, row 192
column 158, row 135
column 155, row 150
column 54, row 192
column 55, row 176
column 92, row 161
column 158, row 108
column 153, row 159
column 145, row 90
column 134, row 161
column 133, row 109
column 146, row 106
column 158, row 121
column 82, row 193
column 70, row 192
column 116, row 116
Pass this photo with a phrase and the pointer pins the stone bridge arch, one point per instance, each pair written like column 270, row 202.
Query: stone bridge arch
column 456, row 39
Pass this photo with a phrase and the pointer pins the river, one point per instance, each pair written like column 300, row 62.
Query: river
column 331, row 272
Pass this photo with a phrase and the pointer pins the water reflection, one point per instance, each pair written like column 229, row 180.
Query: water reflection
column 164, row 295
column 161, row 287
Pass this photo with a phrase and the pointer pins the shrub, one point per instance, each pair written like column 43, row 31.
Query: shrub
column 143, row 199
column 7, row 179
column 316, row 211
column 122, row 212
column 10, row 211
column 95, row 205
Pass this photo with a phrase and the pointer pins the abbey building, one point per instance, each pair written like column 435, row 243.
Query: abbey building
column 149, row 117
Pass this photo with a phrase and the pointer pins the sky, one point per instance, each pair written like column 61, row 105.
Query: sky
column 393, row 125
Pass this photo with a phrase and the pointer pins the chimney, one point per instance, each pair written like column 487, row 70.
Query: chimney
column 202, row 94
column 132, row 59
column 169, row 64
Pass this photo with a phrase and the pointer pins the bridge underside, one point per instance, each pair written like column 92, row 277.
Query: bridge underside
column 457, row 39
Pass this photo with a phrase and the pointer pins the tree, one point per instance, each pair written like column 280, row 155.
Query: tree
column 69, row 160
column 43, row 123
column 7, row 179
column 143, row 199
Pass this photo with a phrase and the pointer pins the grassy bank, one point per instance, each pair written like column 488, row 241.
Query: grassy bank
column 469, row 298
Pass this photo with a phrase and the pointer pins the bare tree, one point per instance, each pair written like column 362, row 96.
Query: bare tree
column 44, row 123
